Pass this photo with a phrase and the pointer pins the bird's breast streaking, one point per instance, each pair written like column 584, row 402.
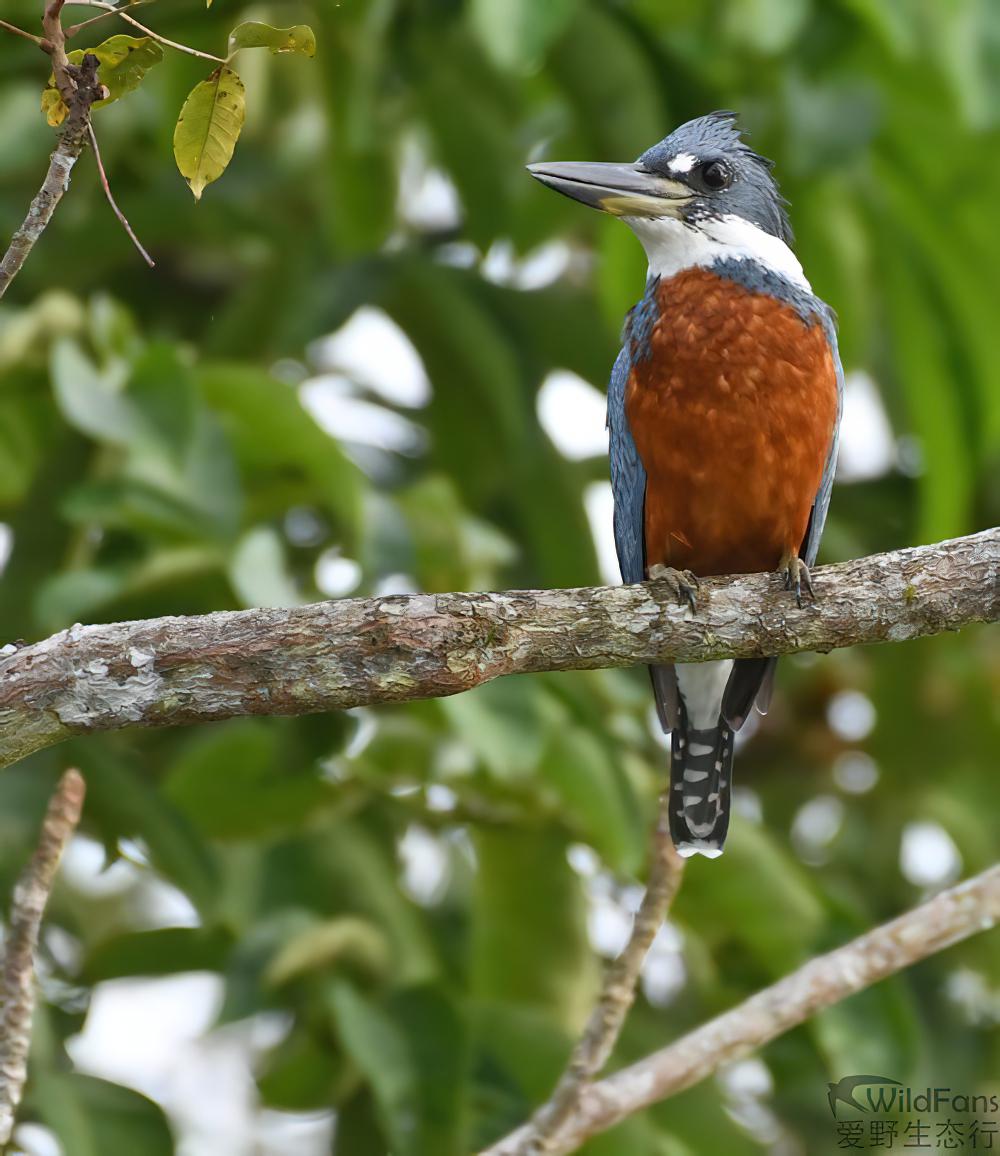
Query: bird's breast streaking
column 732, row 402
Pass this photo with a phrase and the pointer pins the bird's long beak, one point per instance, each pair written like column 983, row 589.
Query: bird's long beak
column 622, row 190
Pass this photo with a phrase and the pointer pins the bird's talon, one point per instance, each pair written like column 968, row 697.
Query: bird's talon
column 682, row 583
column 797, row 575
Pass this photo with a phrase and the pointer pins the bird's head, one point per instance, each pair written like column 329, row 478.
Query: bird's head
column 701, row 183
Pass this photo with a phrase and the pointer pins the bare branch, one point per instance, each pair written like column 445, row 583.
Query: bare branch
column 112, row 202
column 79, row 88
column 21, row 941
column 360, row 651
column 61, row 69
column 595, row 1046
column 946, row 919
column 15, row 31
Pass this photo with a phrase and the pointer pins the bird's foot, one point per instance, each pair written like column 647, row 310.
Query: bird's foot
column 796, row 575
column 681, row 583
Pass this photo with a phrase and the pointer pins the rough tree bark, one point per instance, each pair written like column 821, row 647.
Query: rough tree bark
column 357, row 651
column 597, row 1041
column 17, row 980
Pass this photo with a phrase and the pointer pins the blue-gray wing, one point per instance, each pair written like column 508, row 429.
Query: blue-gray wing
column 817, row 519
column 628, row 478
column 628, row 485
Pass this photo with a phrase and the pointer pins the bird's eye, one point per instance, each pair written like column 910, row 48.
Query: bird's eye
column 715, row 175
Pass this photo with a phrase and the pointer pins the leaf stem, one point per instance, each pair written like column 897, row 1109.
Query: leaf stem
column 111, row 200
column 111, row 9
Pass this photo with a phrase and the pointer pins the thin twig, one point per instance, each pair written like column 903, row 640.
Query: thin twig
column 73, row 29
column 111, row 200
column 617, row 995
column 111, row 9
column 30, row 897
column 13, row 28
column 171, row 43
column 948, row 918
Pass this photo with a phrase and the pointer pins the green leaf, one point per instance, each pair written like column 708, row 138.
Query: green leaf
column 766, row 26
column 299, row 39
column 376, row 1044
column 259, row 570
column 208, row 129
column 122, row 804
column 53, row 105
column 124, row 61
column 618, row 105
column 304, row 1073
column 764, row 900
column 520, row 1052
column 181, row 456
column 89, row 400
column 594, row 795
column 249, row 401
column 163, row 951
column 240, row 781
column 891, row 20
column 874, row 1031
column 162, row 389
column 95, row 1118
column 20, row 449
column 347, row 942
column 73, row 595
column 529, row 938
column 516, row 33
column 505, row 722
column 922, row 356
column 412, row 1052
column 178, row 475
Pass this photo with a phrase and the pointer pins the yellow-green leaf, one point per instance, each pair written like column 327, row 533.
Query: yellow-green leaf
column 299, row 39
column 124, row 61
column 208, row 128
column 53, row 106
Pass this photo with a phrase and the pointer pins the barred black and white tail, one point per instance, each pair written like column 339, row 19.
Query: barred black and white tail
column 701, row 775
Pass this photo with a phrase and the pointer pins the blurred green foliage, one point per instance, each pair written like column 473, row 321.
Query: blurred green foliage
column 155, row 458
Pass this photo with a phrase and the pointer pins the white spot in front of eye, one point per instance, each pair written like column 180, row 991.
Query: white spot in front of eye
column 683, row 163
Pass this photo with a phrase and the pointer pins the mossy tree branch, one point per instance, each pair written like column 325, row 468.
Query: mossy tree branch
column 362, row 651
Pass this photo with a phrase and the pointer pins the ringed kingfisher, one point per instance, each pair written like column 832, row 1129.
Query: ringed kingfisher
column 723, row 409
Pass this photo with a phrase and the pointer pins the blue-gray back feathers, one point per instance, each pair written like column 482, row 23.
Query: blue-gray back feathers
column 628, row 478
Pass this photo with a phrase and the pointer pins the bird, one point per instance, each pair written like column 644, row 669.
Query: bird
column 843, row 1090
column 724, row 409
